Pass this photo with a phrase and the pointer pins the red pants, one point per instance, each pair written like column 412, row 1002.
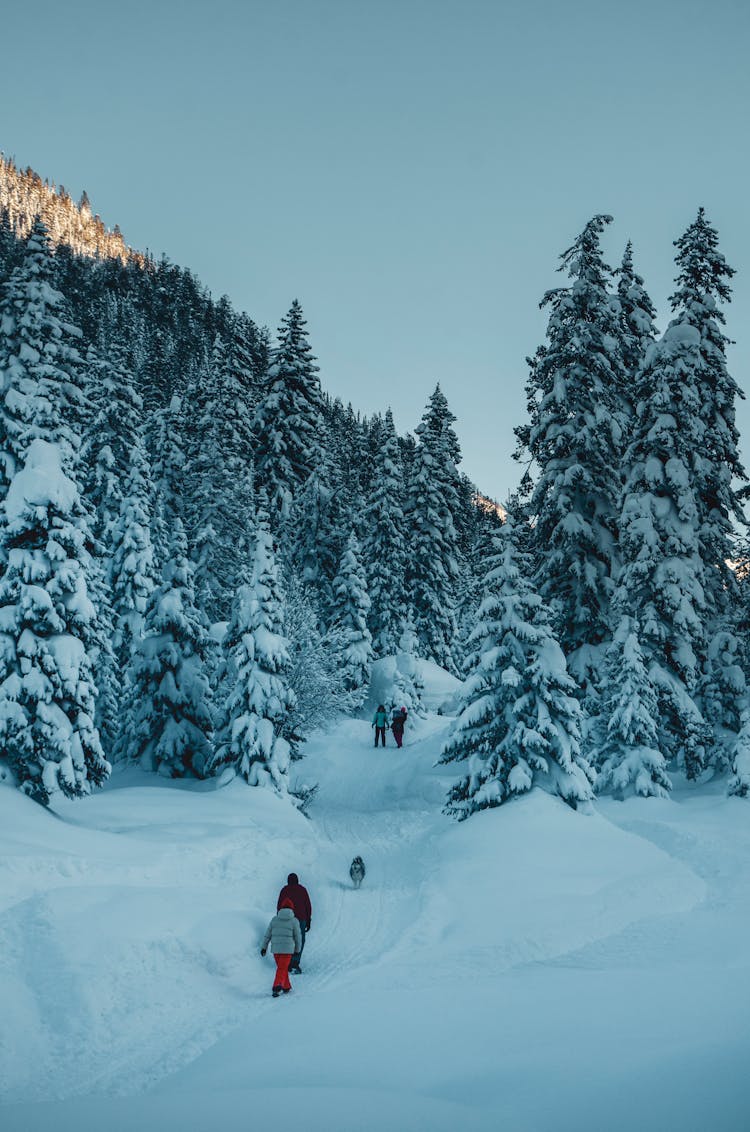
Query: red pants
column 282, row 972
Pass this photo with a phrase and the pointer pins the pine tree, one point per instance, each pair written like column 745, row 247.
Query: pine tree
column 384, row 549
column 219, row 478
column 408, row 687
column 114, row 433
column 628, row 758
column 312, row 540
column 717, row 473
column 432, row 563
column 171, row 725
column 663, row 575
column 314, row 677
column 577, row 409
column 520, row 725
column 350, row 624
column 739, row 782
column 132, row 568
column 637, row 314
column 47, row 690
column 41, row 369
column 289, row 423
column 257, row 712
column 51, row 627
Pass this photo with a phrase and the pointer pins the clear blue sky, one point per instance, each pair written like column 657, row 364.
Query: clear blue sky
column 409, row 169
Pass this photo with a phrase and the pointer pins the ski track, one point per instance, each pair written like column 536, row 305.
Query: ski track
column 360, row 809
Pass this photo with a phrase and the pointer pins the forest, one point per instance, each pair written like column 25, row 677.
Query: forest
column 202, row 555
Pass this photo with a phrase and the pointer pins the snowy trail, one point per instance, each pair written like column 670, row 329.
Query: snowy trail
column 474, row 957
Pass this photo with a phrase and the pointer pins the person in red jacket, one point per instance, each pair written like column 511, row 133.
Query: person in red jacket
column 300, row 900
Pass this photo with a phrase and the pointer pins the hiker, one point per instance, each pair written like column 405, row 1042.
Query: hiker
column 379, row 721
column 284, row 936
column 397, row 724
column 299, row 897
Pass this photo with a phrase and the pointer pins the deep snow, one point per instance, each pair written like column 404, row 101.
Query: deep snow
column 531, row 968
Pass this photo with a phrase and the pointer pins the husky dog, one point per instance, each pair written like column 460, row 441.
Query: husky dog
column 357, row 871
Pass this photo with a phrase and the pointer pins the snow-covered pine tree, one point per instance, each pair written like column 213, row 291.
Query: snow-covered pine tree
column 739, row 782
column 354, row 642
column 576, row 401
column 628, row 757
column 520, row 725
column 170, row 729
column 699, row 354
column 663, row 575
column 133, row 573
column 219, row 481
column 289, row 423
column 314, row 675
column 637, row 314
column 114, row 432
column 41, row 369
column 408, row 687
column 113, row 408
column 256, row 717
column 47, row 623
column 312, row 539
column 51, row 627
column 384, row 544
column 432, row 553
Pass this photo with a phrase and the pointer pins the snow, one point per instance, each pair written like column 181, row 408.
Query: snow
column 533, row 968
column 40, row 483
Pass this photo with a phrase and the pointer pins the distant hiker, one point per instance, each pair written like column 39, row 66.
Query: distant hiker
column 284, row 936
column 299, row 897
column 379, row 721
column 397, row 724
column 357, row 871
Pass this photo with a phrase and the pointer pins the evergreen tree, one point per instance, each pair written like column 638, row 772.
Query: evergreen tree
column 663, row 574
column 699, row 355
column 47, row 622
column 637, row 314
column 576, row 399
column 114, row 433
column 350, row 624
column 220, row 481
column 384, row 548
column 739, row 782
column 314, row 678
column 48, row 697
column 289, row 423
column 520, row 722
column 132, row 570
column 313, row 537
column 432, row 563
column 628, row 758
column 41, row 370
column 257, row 712
column 171, row 725
column 408, row 686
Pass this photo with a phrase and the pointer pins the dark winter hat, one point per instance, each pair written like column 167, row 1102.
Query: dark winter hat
column 286, row 904
column 292, row 879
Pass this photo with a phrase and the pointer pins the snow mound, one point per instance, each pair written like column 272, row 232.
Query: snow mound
column 440, row 690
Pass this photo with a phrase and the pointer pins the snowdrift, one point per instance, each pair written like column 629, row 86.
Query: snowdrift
column 494, row 973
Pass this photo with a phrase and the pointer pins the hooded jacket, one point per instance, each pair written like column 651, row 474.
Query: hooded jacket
column 283, row 932
column 299, row 897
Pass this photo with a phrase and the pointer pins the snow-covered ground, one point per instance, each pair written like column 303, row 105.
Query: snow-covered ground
column 531, row 968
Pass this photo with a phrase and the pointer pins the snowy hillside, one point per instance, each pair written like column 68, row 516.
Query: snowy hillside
column 533, row 968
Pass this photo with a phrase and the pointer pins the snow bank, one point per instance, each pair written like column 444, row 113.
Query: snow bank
column 531, row 968
column 441, row 691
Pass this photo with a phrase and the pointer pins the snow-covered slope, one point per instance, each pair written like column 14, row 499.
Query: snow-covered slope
column 532, row 968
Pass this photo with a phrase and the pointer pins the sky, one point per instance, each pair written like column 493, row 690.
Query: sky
column 410, row 170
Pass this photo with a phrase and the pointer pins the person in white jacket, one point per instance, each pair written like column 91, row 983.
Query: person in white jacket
column 286, row 940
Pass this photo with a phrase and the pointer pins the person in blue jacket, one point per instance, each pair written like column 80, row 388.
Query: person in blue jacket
column 379, row 721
